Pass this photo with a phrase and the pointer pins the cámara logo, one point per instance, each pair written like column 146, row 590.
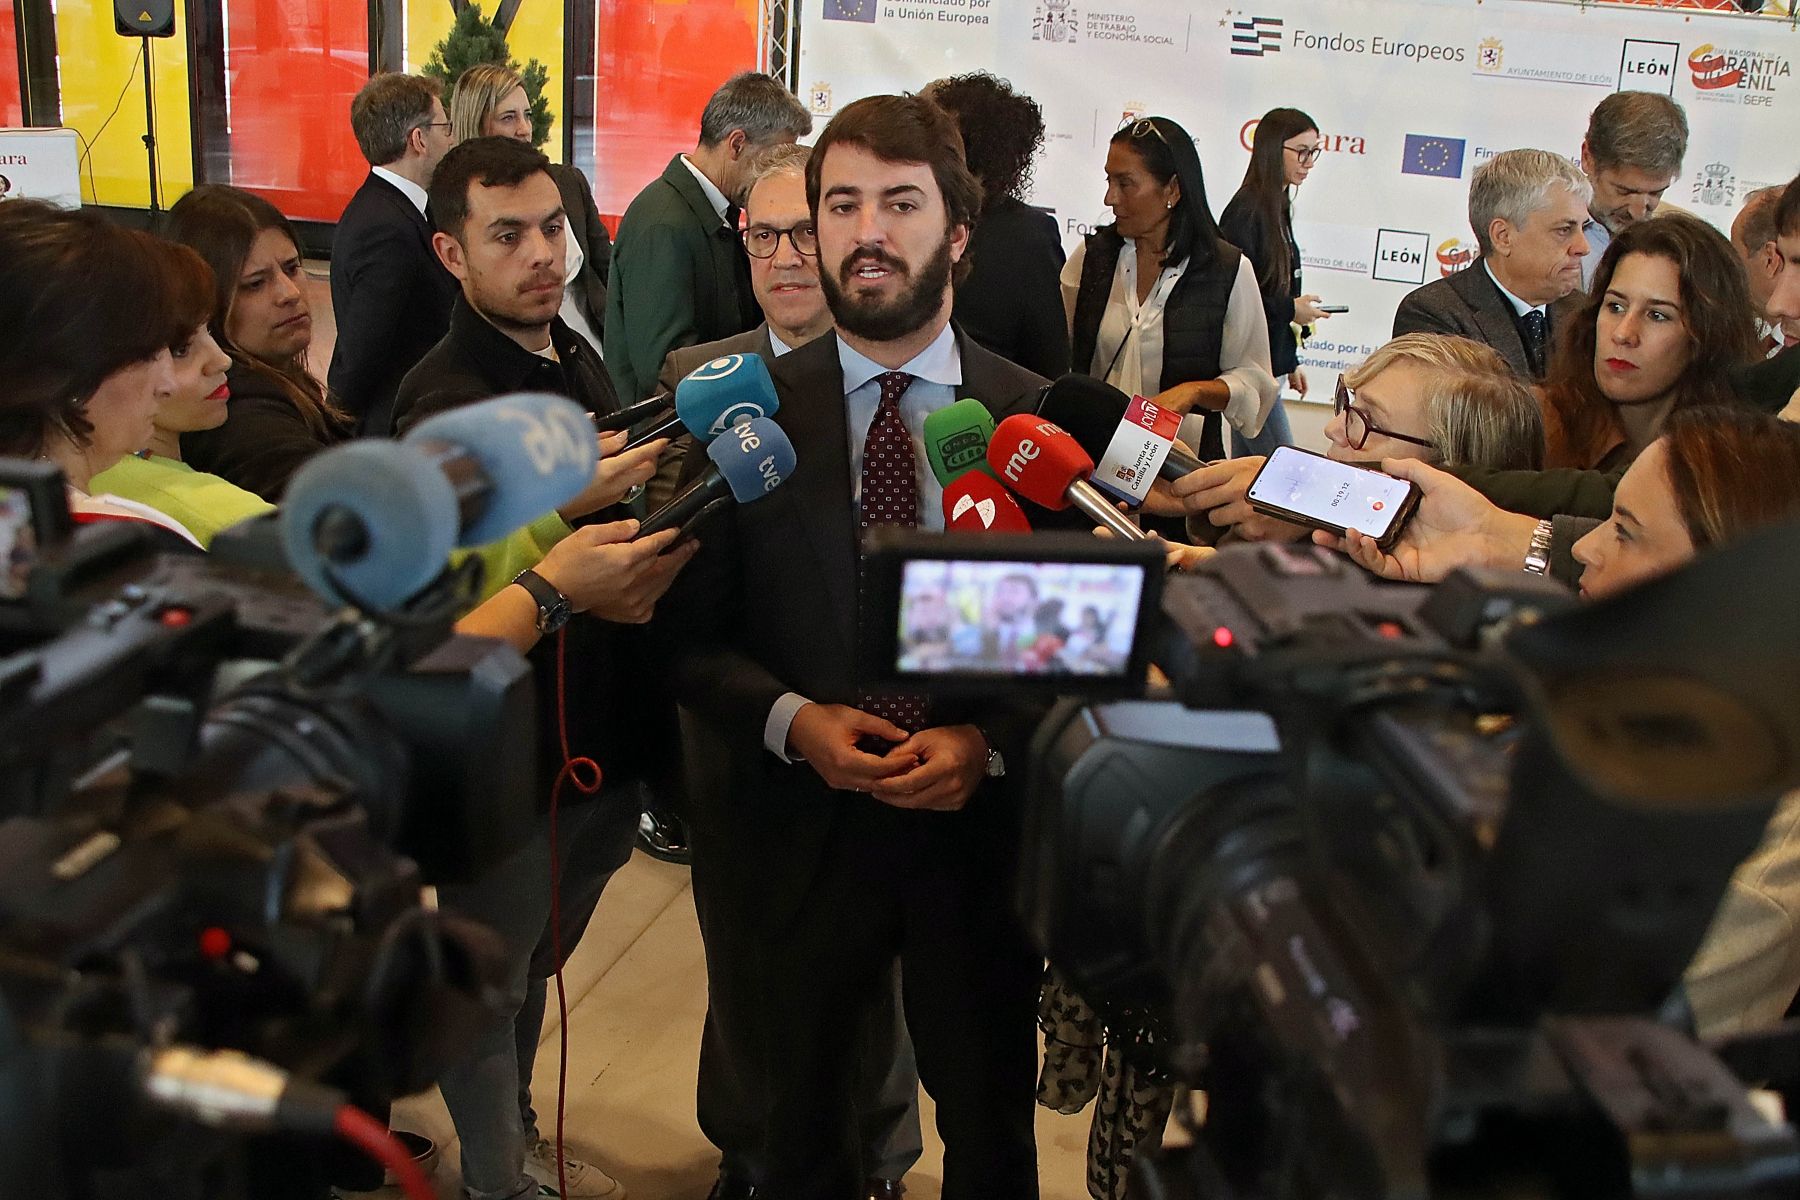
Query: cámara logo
column 1453, row 254
column 1330, row 143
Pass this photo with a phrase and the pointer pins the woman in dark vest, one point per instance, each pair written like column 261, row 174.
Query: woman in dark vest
column 1159, row 304
column 1260, row 222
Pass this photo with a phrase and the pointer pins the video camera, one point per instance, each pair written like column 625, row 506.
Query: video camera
column 220, row 803
column 1406, row 876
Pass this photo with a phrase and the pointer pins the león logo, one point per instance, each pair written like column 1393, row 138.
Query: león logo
column 1254, row 37
column 1490, row 54
column 1453, row 254
column 1400, row 256
column 819, row 98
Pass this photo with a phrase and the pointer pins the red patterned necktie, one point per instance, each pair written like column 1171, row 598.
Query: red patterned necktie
column 890, row 496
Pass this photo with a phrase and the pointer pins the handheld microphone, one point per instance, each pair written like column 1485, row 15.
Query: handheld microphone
column 976, row 503
column 1047, row 467
column 631, row 414
column 715, row 396
column 374, row 520
column 1131, row 438
column 748, row 463
column 956, row 440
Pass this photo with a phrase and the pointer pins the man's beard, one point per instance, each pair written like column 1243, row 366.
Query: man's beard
column 887, row 321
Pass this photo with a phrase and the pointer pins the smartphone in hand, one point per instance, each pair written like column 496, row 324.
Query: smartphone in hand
column 1309, row 489
column 1334, row 309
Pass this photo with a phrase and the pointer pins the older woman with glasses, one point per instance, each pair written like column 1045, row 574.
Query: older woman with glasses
column 1445, row 400
column 1159, row 304
column 1260, row 222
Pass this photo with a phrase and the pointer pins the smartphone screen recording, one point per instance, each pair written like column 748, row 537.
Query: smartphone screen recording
column 1311, row 489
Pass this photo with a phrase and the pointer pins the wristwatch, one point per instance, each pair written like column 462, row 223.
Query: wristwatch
column 996, row 763
column 1537, row 556
column 553, row 609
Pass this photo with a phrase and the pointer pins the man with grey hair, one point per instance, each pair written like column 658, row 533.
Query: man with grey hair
column 391, row 295
column 1632, row 153
column 1526, row 208
column 1753, row 235
column 679, row 273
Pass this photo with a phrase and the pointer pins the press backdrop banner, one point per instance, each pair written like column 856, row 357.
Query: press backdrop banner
column 1411, row 96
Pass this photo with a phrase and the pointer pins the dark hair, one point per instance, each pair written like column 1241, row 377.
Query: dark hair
column 1002, row 131
column 81, row 298
column 222, row 223
column 1787, row 210
column 758, row 104
column 386, row 111
column 1646, row 130
column 1715, row 302
column 192, row 290
column 489, row 161
column 1732, row 470
column 1265, row 179
column 903, row 129
column 1168, row 153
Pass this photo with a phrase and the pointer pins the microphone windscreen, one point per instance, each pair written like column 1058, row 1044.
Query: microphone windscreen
column 535, row 450
column 754, row 456
column 956, row 439
column 717, row 395
column 976, row 503
column 1087, row 409
column 406, row 509
column 1037, row 459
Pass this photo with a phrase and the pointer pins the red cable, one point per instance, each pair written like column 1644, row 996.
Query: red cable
column 372, row 1138
column 586, row 775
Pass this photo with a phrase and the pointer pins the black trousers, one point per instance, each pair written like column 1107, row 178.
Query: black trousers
column 935, row 889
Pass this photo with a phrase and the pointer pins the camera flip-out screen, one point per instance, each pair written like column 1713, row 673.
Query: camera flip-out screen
column 1067, row 610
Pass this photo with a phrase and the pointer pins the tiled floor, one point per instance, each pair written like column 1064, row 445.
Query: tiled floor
column 636, row 993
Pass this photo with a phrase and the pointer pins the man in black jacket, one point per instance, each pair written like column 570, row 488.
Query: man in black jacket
column 1783, row 371
column 391, row 295
column 501, row 234
column 864, row 826
column 1526, row 207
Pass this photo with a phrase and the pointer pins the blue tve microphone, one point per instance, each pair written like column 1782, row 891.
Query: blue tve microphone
column 374, row 521
column 715, row 396
column 749, row 460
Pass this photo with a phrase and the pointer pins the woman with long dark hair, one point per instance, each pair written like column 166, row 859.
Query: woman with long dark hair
column 1010, row 301
column 1159, row 304
column 1668, row 318
column 279, row 415
column 1260, row 222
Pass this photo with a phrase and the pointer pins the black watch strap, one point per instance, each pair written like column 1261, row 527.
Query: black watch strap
column 553, row 607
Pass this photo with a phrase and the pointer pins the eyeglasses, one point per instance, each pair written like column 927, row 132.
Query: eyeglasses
column 1308, row 155
column 761, row 241
column 1358, row 427
column 435, row 125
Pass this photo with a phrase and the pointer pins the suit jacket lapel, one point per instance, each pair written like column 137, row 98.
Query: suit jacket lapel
column 818, row 496
column 1494, row 317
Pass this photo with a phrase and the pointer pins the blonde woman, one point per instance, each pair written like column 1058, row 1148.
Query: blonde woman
column 490, row 101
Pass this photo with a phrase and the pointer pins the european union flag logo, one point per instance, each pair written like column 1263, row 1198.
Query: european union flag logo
column 1428, row 155
column 850, row 10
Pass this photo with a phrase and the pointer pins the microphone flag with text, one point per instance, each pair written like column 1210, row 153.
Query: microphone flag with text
column 1042, row 463
column 748, row 462
column 1130, row 438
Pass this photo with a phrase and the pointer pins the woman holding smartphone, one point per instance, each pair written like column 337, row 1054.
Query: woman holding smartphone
column 1259, row 220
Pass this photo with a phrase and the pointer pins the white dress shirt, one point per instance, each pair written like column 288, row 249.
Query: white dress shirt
column 713, row 195
column 937, row 374
column 570, row 311
column 1244, row 363
column 408, row 188
column 1519, row 307
column 1599, row 237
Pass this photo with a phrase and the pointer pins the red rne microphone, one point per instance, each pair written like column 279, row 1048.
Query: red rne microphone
column 1046, row 466
column 975, row 503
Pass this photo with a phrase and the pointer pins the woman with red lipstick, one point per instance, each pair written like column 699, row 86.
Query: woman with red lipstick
column 278, row 415
column 1668, row 318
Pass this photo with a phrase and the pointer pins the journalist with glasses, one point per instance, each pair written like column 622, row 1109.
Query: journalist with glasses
column 1445, row 400
column 1259, row 220
column 1159, row 304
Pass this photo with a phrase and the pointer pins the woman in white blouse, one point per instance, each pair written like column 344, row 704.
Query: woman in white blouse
column 1159, row 304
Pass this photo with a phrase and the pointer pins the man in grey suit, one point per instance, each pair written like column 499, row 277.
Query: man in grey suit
column 782, row 242
column 1527, row 209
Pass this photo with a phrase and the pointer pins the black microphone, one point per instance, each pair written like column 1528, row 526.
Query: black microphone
column 626, row 417
column 1094, row 413
column 748, row 462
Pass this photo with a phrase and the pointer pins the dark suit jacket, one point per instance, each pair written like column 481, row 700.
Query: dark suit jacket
column 590, row 234
column 679, row 277
column 1011, row 300
column 769, row 606
column 392, row 299
column 1771, row 383
column 264, row 439
column 680, row 362
column 1469, row 304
